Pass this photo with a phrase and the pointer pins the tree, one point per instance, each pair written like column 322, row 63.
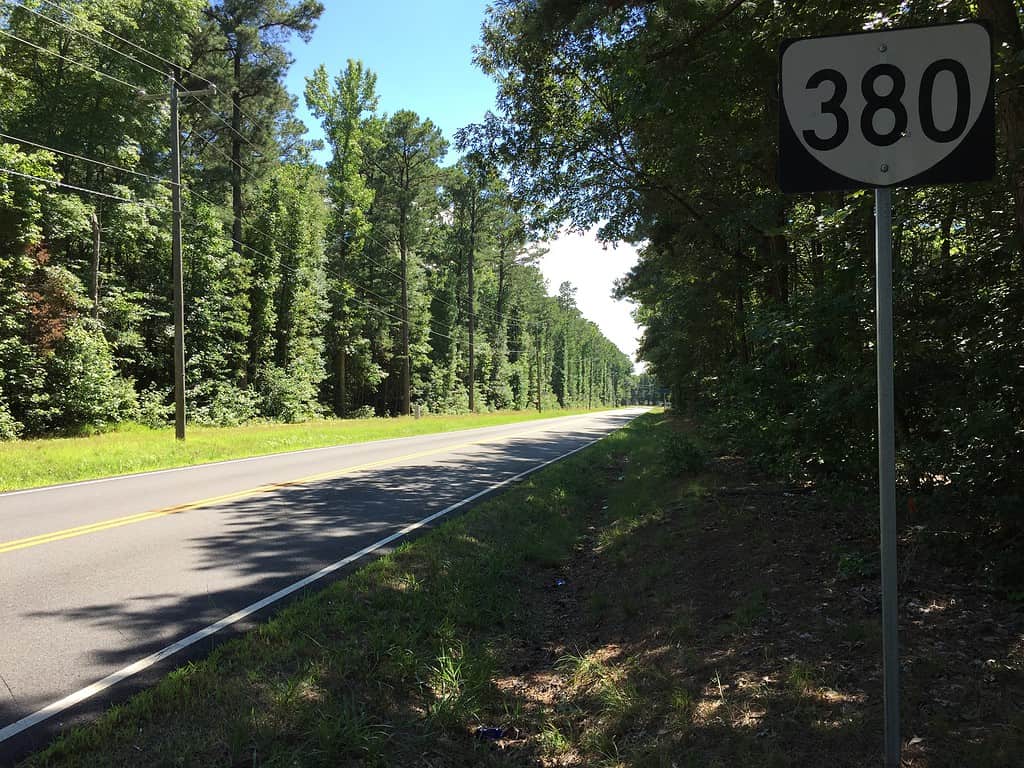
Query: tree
column 343, row 110
column 758, row 306
column 251, row 35
column 405, row 165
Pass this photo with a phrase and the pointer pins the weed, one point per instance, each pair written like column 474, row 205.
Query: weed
column 553, row 741
column 682, row 707
column 456, row 686
column 802, row 677
column 683, row 629
column 855, row 566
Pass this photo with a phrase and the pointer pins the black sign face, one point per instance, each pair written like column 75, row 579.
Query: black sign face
column 900, row 107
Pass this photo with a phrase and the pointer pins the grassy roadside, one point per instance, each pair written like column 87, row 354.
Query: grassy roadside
column 32, row 463
column 627, row 607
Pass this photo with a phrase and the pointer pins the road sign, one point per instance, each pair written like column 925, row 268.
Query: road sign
column 888, row 108
column 881, row 109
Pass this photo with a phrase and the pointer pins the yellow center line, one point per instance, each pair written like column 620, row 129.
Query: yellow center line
column 117, row 522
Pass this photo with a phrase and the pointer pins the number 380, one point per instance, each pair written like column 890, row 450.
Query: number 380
column 892, row 101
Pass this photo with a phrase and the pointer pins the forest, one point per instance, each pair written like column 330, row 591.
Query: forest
column 381, row 282
column 659, row 119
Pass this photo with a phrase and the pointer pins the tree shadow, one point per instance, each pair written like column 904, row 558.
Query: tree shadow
column 269, row 541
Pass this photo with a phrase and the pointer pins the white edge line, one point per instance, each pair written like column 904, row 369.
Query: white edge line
column 204, row 465
column 132, row 669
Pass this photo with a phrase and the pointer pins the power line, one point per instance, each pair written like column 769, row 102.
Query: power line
column 223, row 154
column 43, row 49
column 79, row 33
column 150, row 67
column 136, row 46
column 148, row 52
column 457, row 306
column 223, row 120
column 157, row 179
column 371, row 305
column 272, row 239
column 375, row 307
column 368, row 304
column 61, row 184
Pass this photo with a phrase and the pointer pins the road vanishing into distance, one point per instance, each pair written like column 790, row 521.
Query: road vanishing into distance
column 102, row 582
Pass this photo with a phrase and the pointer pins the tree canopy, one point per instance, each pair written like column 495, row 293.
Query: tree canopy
column 355, row 287
column 658, row 119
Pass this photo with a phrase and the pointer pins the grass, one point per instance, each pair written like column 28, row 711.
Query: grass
column 394, row 662
column 135, row 448
column 613, row 610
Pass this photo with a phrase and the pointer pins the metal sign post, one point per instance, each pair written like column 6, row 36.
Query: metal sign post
column 887, row 472
column 897, row 107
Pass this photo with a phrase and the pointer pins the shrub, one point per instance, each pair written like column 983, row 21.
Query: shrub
column 10, row 428
column 363, row 412
column 221, row 404
column 155, row 409
column 87, row 391
column 288, row 398
column 682, row 455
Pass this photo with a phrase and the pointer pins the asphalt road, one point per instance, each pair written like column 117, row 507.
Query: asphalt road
column 98, row 576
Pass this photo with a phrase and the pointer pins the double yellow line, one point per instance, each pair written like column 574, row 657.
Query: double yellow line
column 117, row 522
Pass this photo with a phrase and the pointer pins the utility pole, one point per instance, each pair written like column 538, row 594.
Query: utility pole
column 177, row 276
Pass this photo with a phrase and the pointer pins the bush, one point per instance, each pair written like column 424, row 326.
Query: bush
column 288, row 398
column 221, row 404
column 87, row 391
column 10, row 428
column 682, row 455
column 155, row 409
column 363, row 412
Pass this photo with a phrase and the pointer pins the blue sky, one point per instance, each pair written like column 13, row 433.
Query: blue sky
column 421, row 50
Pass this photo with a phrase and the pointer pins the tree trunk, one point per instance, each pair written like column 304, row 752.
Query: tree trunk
column 1009, row 45
column 340, row 395
column 236, row 154
column 540, row 377
column 471, row 383
column 405, row 406
column 94, row 288
column 500, row 336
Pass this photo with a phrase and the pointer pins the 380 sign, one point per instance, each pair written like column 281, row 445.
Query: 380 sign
column 900, row 107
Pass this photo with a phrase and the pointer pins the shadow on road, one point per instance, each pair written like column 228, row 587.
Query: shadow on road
column 273, row 539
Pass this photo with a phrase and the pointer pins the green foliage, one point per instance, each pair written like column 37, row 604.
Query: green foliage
column 221, row 404
column 287, row 397
column 682, row 454
column 758, row 307
column 86, row 391
column 293, row 272
column 155, row 408
column 10, row 429
column 855, row 565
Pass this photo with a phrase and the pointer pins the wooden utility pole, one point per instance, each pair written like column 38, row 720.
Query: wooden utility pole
column 177, row 277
